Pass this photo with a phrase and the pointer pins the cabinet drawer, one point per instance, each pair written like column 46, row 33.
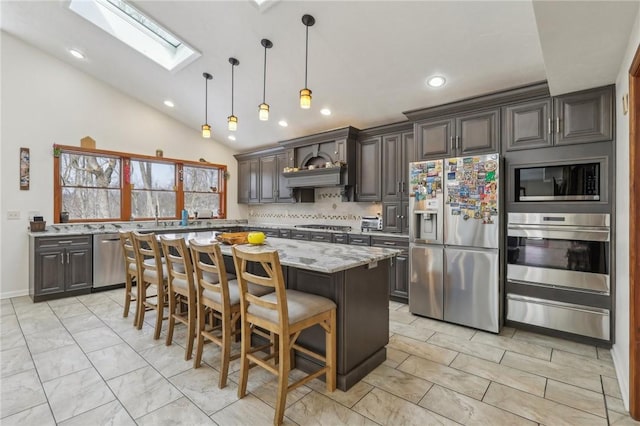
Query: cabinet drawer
column 71, row 241
column 390, row 242
column 299, row 235
column 274, row 233
column 359, row 240
column 320, row 236
column 340, row 239
column 285, row 233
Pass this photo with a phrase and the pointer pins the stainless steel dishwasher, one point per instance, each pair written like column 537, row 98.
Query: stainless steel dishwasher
column 108, row 262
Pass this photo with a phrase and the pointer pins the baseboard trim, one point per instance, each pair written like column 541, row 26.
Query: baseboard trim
column 15, row 293
column 623, row 377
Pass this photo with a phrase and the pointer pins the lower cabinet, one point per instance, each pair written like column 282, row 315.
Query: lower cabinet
column 395, row 216
column 399, row 270
column 60, row 266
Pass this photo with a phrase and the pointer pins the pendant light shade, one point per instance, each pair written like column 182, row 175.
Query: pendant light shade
column 263, row 108
column 206, row 129
column 232, row 120
column 305, row 94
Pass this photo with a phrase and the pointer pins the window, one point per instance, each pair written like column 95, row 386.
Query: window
column 90, row 186
column 96, row 185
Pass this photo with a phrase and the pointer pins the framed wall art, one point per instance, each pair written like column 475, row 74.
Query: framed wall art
column 24, row 168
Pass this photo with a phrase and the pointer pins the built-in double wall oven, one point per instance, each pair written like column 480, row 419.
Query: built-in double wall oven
column 558, row 272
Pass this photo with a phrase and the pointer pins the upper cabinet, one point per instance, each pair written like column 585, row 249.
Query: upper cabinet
column 368, row 166
column 248, row 171
column 398, row 150
column 574, row 118
column 466, row 134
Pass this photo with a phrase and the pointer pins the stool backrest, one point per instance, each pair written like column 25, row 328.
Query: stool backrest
column 178, row 259
column 210, row 272
column 147, row 247
column 128, row 250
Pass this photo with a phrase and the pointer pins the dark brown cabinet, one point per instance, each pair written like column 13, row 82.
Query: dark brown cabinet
column 368, row 166
column 260, row 178
column 468, row 134
column 283, row 194
column 268, row 179
column 398, row 150
column 248, row 176
column 399, row 267
column 60, row 267
column 574, row 118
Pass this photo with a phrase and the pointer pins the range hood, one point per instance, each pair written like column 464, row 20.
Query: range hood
column 316, row 178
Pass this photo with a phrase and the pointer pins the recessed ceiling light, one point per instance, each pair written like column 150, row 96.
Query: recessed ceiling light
column 169, row 103
column 76, row 53
column 325, row 111
column 283, row 123
column 232, row 138
column 436, row 81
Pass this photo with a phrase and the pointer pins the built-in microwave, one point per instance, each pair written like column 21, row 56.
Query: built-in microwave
column 558, row 182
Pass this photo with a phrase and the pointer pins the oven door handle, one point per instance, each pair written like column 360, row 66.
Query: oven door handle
column 558, row 233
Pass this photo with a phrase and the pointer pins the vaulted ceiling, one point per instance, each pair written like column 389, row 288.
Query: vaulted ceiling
column 368, row 60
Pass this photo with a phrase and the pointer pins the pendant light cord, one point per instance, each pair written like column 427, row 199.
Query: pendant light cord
column 306, row 56
column 206, row 82
column 264, row 76
column 232, row 67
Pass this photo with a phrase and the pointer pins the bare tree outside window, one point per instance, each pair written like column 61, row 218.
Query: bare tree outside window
column 202, row 188
column 154, row 184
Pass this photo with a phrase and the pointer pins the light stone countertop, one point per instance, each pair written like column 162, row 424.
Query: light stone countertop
column 310, row 255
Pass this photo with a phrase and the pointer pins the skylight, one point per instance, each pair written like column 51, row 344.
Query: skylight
column 129, row 25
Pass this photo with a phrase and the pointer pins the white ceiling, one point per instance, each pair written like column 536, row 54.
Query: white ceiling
column 368, row 60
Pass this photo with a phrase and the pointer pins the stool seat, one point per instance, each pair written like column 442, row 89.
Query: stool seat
column 300, row 306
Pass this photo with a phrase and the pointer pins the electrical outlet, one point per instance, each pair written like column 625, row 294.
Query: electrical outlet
column 13, row 215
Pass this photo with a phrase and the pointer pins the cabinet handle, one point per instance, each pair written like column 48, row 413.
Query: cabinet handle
column 557, row 124
column 453, row 147
column 457, row 143
column 550, row 124
column 65, row 242
column 399, row 186
column 67, row 257
column 389, row 243
column 62, row 258
column 403, row 187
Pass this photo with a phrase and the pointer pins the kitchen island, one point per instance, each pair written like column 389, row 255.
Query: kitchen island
column 355, row 278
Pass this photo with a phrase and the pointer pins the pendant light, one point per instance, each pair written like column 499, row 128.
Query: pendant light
column 305, row 94
column 206, row 129
column 263, row 108
column 232, row 119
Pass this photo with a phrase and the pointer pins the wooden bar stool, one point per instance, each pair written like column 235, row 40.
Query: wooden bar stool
column 130, row 271
column 284, row 313
column 151, row 273
column 180, row 288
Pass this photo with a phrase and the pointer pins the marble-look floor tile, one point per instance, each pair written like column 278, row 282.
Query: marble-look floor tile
column 97, row 338
column 61, row 302
column 619, row 419
column 211, row 356
column 9, row 323
column 143, row 391
column 507, row 332
column 615, row 404
column 513, row 345
column 395, row 305
column 21, row 300
column 401, row 317
column 39, row 415
column 398, row 383
column 604, row 354
column 20, row 392
column 82, row 322
column 443, row 327
column 200, row 385
column 268, row 391
column 93, row 299
column 411, row 331
column 595, row 365
column 141, row 339
column 403, row 308
column 249, row 411
column 45, row 341
column 110, row 414
column 422, row 349
column 117, row 322
column 168, row 360
column 70, row 310
column 395, row 357
column 448, row 377
column 387, row 409
column 317, row 409
column 468, row 411
column 348, row 398
column 561, row 373
column 508, row 376
column 538, row 409
column 582, row 399
column 11, row 339
column 60, row 362
column 116, row 360
column 108, row 309
column 179, row 412
column 6, row 308
column 29, row 310
column 611, row 387
column 40, row 323
column 76, row 393
column 15, row 361
column 556, row 343
column 478, row 350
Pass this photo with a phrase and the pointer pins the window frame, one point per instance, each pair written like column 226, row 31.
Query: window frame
column 125, row 185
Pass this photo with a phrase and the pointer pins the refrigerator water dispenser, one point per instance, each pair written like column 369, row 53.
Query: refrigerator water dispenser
column 428, row 226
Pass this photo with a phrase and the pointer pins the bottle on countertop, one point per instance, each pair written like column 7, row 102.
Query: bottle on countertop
column 185, row 217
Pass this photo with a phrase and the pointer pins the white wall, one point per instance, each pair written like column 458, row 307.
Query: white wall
column 45, row 101
column 620, row 351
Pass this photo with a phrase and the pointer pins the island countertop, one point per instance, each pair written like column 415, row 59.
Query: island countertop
column 309, row 255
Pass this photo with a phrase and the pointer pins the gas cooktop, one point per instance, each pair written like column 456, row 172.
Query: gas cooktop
column 326, row 227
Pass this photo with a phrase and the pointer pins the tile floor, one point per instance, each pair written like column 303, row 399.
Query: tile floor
column 76, row 361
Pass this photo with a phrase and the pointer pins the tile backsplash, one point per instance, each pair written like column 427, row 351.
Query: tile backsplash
column 328, row 209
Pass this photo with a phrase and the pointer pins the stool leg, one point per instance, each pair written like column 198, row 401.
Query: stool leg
column 225, row 350
column 330, row 356
column 200, row 338
column 127, row 296
column 142, row 297
column 191, row 327
column 172, row 319
column 244, row 361
column 283, row 378
column 160, row 312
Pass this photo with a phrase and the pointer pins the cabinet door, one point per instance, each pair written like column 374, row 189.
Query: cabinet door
column 408, row 156
column 392, row 222
column 404, row 214
column 254, row 181
column 527, row 125
column 243, row 182
column 400, row 282
column 368, row 157
column 341, row 151
column 268, row 179
column 283, row 194
column 584, row 117
column 478, row 133
column 391, row 167
column 79, row 271
column 434, row 138
column 49, row 272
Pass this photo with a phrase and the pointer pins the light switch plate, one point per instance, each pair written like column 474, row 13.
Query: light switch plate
column 13, row 215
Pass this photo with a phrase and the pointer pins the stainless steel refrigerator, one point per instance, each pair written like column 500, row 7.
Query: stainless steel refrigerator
column 456, row 277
